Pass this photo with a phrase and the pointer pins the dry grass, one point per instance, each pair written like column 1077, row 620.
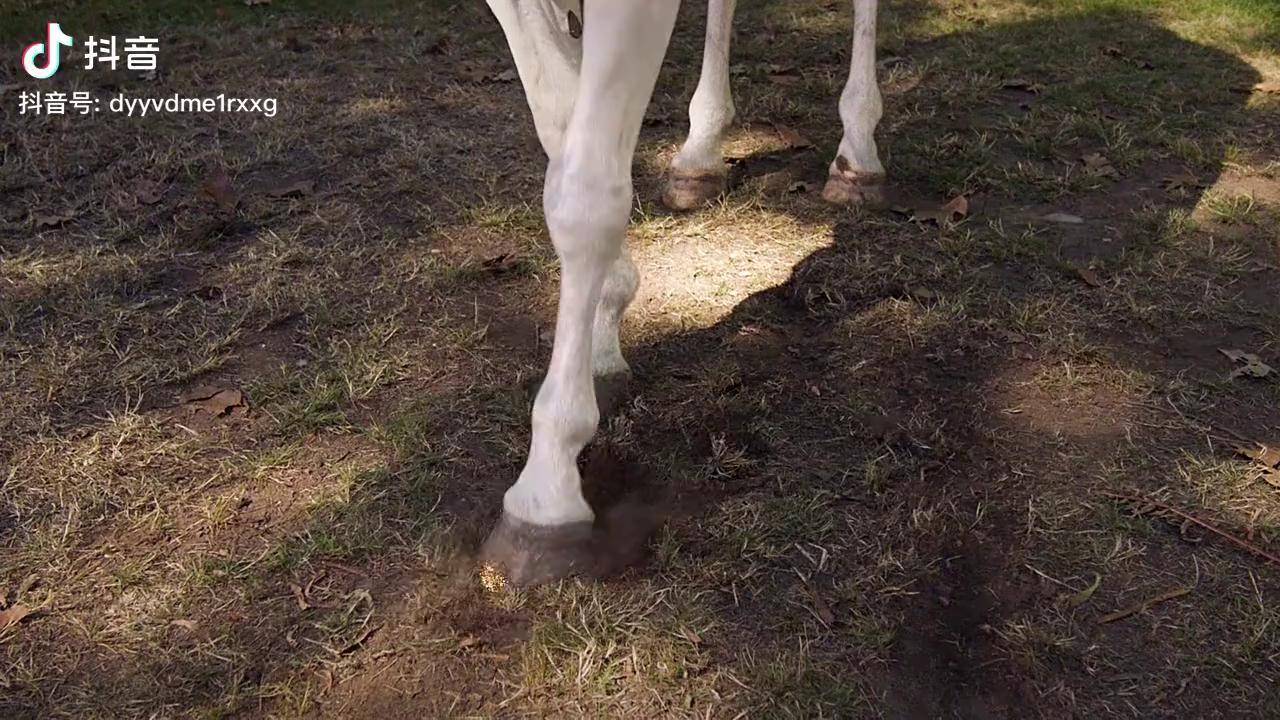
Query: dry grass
column 886, row 442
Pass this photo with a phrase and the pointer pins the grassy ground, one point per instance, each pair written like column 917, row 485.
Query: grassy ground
column 251, row 431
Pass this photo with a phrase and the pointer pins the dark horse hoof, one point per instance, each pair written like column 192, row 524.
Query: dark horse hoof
column 520, row 554
column 849, row 187
column 687, row 192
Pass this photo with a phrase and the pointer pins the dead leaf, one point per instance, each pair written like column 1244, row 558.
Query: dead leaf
column 1097, row 165
column 1075, row 600
column 782, row 74
column 799, row 186
column 13, row 615
column 1120, row 54
column 298, row 188
column 293, row 44
column 42, row 221
column 188, row 625
column 1060, row 217
column 1089, row 276
column 1270, row 87
column 147, row 192
column 1145, row 605
column 902, row 82
column 360, row 639
column 1261, row 453
column 299, row 596
column 955, row 210
column 1184, row 181
column 774, row 183
column 791, row 138
column 1023, row 85
column 925, row 294
column 820, row 606
column 216, row 403
column 500, row 264
column 25, row 586
column 506, row 76
column 1252, row 365
column 473, row 72
column 217, row 186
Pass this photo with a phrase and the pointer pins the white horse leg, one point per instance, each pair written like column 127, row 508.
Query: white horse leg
column 545, row 531
column 541, row 35
column 856, row 175
column 698, row 173
column 608, row 367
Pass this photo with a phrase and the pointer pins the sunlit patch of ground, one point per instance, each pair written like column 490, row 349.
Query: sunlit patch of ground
column 693, row 274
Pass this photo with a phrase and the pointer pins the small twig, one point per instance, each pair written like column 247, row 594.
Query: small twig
column 1144, row 605
column 1240, row 542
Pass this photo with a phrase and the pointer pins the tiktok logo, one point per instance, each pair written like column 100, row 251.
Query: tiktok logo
column 52, row 51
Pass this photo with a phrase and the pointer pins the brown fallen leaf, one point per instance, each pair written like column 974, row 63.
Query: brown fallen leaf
column 368, row 631
column 1075, row 600
column 777, row 182
column 1119, row 54
column 1097, row 165
column 1023, row 85
column 1145, row 605
column 25, row 586
column 42, row 221
column 188, row 625
column 1089, row 276
column 473, row 72
column 500, row 264
column 298, row 188
column 1269, row 87
column 1261, row 453
column 147, row 192
column 505, row 76
column 293, row 44
column 299, row 596
column 791, row 138
column 1181, row 182
column 1251, row 365
column 217, row 186
column 1061, row 217
column 955, row 210
column 216, row 403
column 820, row 607
column 782, row 74
column 13, row 615
column 799, row 187
column 901, row 82
column 923, row 293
